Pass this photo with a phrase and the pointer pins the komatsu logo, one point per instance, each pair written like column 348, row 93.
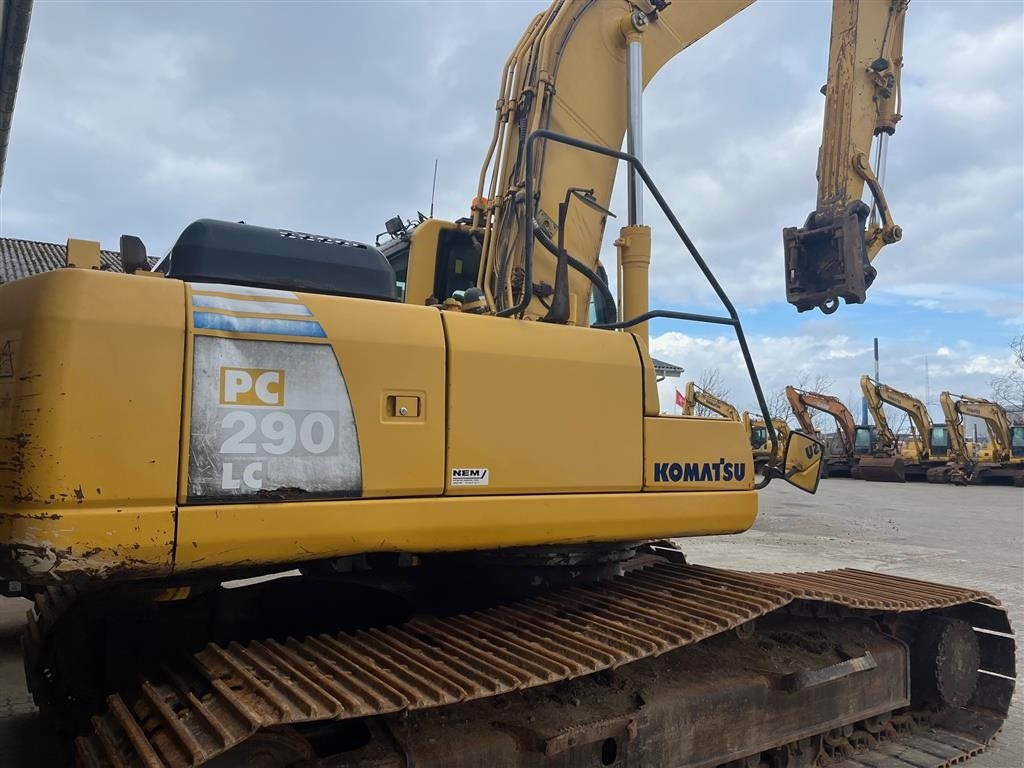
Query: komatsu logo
column 697, row 472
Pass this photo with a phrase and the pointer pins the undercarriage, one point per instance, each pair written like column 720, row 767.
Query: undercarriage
column 628, row 660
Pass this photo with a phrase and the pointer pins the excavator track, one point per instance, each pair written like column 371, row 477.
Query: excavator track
column 199, row 708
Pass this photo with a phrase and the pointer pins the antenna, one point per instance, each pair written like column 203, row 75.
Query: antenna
column 433, row 187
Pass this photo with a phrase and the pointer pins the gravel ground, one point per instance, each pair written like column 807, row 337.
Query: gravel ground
column 966, row 536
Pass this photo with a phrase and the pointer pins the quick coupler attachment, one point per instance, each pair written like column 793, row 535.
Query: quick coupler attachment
column 827, row 260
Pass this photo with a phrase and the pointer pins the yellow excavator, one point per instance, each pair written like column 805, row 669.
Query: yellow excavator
column 762, row 447
column 698, row 396
column 294, row 500
column 926, row 454
column 1002, row 461
column 760, row 441
column 853, row 440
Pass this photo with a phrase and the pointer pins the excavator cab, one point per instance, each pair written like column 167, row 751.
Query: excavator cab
column 1017, row 441
column 865, row 440
column 939, row 444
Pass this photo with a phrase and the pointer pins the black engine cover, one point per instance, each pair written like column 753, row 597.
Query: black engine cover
column 214, row 251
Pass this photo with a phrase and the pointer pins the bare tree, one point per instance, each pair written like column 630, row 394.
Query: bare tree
column 778, row 403
column 711, row 381
column 1008, row 390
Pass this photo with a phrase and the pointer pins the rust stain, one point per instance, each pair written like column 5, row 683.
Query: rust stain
column 31, row 516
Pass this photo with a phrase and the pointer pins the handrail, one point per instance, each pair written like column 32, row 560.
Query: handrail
column 733, row 318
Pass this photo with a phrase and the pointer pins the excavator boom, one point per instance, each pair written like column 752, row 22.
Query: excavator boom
column 696, row 395
column 567, row 74
column 801, row 400
column 1004, row 460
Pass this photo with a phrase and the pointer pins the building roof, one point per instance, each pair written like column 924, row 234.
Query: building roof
column 666, row 370
column 21, row 258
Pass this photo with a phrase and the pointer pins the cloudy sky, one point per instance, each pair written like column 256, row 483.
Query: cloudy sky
column 327, row 117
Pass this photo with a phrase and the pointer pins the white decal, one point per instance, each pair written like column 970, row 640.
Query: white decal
column 242, row 290
column 470, row 476
column 249, row 306
column 270, row 416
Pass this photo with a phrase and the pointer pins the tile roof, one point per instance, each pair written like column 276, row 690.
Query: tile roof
column 21, row 258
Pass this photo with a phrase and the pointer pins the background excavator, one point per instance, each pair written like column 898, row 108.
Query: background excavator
column 765, row 452
column 471, row 566
column 927, row 453
column 852, row 440
column 1002, row 461
column 762, row 445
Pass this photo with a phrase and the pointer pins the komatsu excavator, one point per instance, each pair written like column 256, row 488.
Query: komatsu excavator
column 764, row 450
column 459, row 481
column 1002, row 461
column 853, row 440
column 698, row 396
column 927, row 453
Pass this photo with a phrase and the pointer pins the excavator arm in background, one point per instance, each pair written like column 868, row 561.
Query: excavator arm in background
column 876, row 406
column 695, row 395
column 1003, row 461
column 568, row 74
column 830, row 257
column 1000, row 431
column 959, row 449
column 801, row 400
column 885, row 463
column 920, row 420
column 760, row 443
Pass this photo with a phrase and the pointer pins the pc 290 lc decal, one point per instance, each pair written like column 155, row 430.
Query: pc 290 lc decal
column 270, row 419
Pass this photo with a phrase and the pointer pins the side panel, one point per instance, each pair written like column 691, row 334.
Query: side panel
column 690, row 453
column 241, row 534
column 305, row 396
column 90, row 413
column 537, row 408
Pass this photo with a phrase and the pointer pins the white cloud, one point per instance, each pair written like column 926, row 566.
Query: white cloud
column 780, row 360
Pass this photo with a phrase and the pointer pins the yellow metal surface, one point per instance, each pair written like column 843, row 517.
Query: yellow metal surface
column 298, row 531
column 572, row 60
column 391, row 356
column 386, row 350
column 419, row 281
column 688, row 453
column 633, row 248
column 90, row 417
column 84, row 254
column 544, row 408
column 860, row 101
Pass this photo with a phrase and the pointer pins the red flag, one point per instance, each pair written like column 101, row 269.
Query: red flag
column 680, row 400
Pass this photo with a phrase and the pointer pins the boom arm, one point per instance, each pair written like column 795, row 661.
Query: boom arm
column 698, row 396
column 886, row 437
column 829, row 258
column 999, row 429
column 568, row 73
column 955, row 425
column 800, row 400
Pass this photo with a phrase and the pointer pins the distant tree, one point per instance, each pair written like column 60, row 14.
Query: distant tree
column 1008, row 390
column 711, row 381
column 778, row 403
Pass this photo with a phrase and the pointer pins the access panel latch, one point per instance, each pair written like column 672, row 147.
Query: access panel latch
column 827, row 260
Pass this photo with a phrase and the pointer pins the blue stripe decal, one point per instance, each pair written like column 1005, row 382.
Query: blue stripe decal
column 218, row 322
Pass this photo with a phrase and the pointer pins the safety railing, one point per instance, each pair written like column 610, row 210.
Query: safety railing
column 732, row 319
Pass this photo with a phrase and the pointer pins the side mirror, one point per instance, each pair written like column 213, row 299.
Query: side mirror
column 802, row 461
column 133, row 255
